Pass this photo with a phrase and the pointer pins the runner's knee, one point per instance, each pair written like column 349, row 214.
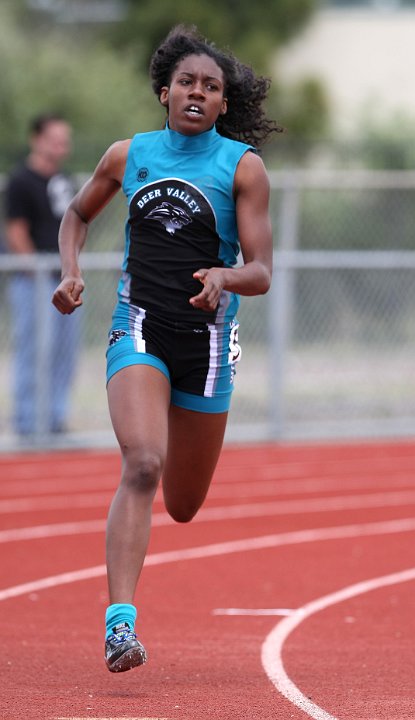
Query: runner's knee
column 182, row 512
column 141, row 471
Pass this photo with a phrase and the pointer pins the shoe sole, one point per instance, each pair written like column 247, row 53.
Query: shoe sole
column 130, row 659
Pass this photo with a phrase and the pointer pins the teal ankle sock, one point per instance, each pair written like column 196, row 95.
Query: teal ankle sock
column 119, row 613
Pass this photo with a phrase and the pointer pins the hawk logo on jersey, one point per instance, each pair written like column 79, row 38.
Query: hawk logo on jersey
column 172, row 217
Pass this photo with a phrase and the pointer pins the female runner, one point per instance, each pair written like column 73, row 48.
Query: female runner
column 198, row 193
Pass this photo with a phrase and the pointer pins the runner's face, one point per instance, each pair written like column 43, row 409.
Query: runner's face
column 195, row 97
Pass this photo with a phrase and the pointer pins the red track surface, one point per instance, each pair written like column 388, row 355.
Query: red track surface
column 308, row 520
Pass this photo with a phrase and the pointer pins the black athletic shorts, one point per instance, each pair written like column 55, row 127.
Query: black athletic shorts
column 199, row 359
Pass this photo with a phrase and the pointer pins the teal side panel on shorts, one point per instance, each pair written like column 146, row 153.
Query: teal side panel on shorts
column 123, row 354
column 200, row 403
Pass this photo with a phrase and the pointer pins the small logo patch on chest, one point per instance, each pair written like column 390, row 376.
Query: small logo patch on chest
column 142, row 174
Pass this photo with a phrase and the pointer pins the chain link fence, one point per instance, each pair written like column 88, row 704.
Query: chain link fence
column 327, row 353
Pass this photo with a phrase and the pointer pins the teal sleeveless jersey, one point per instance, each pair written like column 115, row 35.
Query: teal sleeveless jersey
column 182, row 218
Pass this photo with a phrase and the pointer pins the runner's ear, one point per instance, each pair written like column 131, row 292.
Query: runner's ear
column 164, row 96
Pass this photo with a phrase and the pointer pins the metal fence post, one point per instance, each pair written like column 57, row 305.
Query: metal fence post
column 282, row 304
column 42, row 331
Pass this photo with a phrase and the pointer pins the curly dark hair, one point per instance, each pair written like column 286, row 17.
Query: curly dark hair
column 245, row 118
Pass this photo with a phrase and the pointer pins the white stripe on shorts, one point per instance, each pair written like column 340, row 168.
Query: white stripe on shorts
column 139, row 342
column 213, row 362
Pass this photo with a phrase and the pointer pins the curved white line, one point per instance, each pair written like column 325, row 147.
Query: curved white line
column 205, row 551
column 274, row 642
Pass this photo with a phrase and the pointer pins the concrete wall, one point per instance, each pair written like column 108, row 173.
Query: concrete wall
column 366, row 59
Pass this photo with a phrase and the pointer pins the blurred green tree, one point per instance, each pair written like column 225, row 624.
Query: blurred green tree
column 47, row 67
column 389, row 144
column 253, row 30
column 96, row 73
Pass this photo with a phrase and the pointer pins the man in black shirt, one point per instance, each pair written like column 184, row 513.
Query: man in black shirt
column 44, row 341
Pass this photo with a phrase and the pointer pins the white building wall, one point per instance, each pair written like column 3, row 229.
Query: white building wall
column 365, row 58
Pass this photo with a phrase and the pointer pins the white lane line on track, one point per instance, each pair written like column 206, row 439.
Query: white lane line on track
column 220, row 487
column 56, row 502
column 231, row 512
column 284, row 472
column 274, row 642
column 59, row 485
column 38, row 532
column 310, row 486
column 36, row 466
column 224, row 485
column 260, row 612
column 224, row 548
